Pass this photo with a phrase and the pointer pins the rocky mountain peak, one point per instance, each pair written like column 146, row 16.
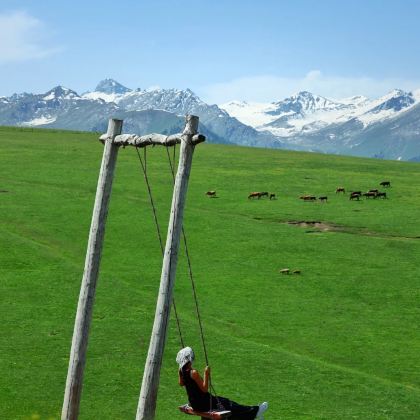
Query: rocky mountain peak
column 396, row 100
column 111, row 86
column 60, row 92
column 302, row 103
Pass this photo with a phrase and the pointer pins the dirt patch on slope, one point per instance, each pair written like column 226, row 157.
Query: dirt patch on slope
column 322, row 226
column 319, row 226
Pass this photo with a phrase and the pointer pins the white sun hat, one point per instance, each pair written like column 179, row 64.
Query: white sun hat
column 184, row 356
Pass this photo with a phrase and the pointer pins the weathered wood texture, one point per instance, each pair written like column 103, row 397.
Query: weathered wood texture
column 74, row 382
column 151, row 139
column 149, row 389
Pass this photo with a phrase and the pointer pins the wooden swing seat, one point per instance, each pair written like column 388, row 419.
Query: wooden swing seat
column 213, row 415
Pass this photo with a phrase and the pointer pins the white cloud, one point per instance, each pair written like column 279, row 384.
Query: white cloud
column 268, row 88
column 22, row 38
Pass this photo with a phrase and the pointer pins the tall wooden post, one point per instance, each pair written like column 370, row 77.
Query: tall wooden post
column 149, row 388
column 74, row 382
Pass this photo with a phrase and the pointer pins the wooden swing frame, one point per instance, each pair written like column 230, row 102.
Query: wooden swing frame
column 112, row 140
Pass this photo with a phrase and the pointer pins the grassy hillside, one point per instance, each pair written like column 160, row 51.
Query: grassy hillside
column 338, row 341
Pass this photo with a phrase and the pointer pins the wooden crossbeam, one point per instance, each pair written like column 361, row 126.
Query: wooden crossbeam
column 150, row 139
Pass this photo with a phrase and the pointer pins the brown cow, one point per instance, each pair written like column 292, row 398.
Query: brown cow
column 355, row 196
column 307, row 197
column 369, row 194
column 339, row 190
column 211, row 194
column 255, row 194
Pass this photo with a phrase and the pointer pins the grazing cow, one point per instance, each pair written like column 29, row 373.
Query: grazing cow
column 296, row 271
column 323, row 198
column 385, row 184
column 355, row 196
column 264, row 194
column 272, row 196
column 374, row 191
column 285, row 271
column 211, row 194
column 307, row 197
column 356, row 192
column 381, row 195
column 339, row 190
column 369, row 194
column 254, row 194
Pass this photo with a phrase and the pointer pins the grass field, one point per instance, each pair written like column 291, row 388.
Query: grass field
column 339, row 341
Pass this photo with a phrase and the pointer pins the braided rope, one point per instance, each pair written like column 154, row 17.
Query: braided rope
column 144, row 168
column 172, row 164
column 184, row 236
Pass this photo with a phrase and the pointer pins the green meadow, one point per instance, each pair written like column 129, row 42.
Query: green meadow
column 340, row 340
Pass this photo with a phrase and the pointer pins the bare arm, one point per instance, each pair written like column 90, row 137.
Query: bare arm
column 180, row 380
column 202, row 384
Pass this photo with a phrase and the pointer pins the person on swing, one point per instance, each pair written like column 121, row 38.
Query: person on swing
column 199, row 397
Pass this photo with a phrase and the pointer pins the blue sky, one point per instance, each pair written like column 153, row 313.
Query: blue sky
column 262, row 50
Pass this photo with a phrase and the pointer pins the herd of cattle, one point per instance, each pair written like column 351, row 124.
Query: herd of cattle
column 372, row 193
column 257, row 194
column 354, row 195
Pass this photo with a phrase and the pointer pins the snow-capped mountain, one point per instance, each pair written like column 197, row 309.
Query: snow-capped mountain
column 305, row 112
column 143, row 111
column 111, row 86
column 312, row 122
column 60, row 107
column 305, row 103
column 287, row 117
column 395, row 137
column 386, row 127
column 108, row 90
column 295, row 113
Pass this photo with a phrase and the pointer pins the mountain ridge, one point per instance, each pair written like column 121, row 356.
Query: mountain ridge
column 64, row 108
column 304, row 121
column 311, row 122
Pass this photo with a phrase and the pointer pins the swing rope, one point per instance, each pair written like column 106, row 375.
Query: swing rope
column 172, row 168
column 190, row 271
column 146, row 178
column 184, row 236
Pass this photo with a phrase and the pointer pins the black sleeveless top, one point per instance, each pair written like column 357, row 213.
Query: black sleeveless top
column 198, row 399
